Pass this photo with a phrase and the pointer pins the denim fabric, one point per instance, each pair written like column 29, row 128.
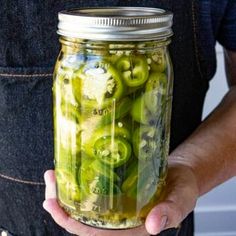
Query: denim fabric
column 28, row 49
column 217, row 23
column 25, row 150
column 25, row 123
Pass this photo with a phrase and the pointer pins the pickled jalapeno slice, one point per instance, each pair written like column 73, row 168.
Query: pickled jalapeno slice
column 69, row 136
column 97, row 85
column 104, row 131
column 108, row 130
column 68, row 187
column 139, row 111
column 140, row 180
column 134, row 69
column 69, row 193
column 70, row 111
column 86, row 174
column 65, row 176
column 157, row 61
column 99, row 180
column 155, row 90
column 104, row 170
column 145, row 142
column 101, row 185
column 64, row 157
column 131, row 180
column 63, row 85
column 112, row 151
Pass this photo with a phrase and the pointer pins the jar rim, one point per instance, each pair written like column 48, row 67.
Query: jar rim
column 116, row 23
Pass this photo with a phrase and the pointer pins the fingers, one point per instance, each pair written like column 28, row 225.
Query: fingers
column 51, row 205
column 75, row 227
column 181, row 196
column 164, row 215
column 60, row 217
column 50, row 191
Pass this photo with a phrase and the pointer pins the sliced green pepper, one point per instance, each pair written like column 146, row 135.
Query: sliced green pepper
column 140, row 182
column 155, row 91
column 119, row 130
column 131, row 180
column 97, row 85
column 70, row 112
column 68, row 135
column 67, row 150
column 68, row 187
column 86, row 174
column 104, row 170
column 158, row 61
column 96, row 180
column 65, row 176
column 148, row 184
column 134, row 69
column 112, row 151
column 145, row 142
column 62, row 86
column 102, row 186
column 139, row 111
column 112, row 58
column 66, row 158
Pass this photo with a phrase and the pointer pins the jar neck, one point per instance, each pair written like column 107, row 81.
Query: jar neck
column 74, row 44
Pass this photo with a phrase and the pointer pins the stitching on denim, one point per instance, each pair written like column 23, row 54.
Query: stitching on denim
column 21, row 181
column 26, row 76
column 194, row 18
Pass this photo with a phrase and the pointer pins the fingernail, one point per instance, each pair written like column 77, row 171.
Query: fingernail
column 45, row 205
column 163, row 222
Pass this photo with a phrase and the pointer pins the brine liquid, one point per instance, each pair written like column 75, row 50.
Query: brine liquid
column 124, row 213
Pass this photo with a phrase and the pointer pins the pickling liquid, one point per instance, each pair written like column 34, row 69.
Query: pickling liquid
column 117, row 212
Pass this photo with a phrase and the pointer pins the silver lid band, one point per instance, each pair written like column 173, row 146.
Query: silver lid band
column 116, row 23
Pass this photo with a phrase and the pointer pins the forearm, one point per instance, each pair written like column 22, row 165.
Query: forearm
column 211, row 150
column 230, row 66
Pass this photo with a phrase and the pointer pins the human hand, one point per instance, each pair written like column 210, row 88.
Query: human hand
column 181, row 196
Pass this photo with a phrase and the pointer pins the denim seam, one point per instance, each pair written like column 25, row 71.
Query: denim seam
column 21, row 181
column 194, row 20
column 25, row 76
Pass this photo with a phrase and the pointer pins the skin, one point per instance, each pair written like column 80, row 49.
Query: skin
column 206, row 159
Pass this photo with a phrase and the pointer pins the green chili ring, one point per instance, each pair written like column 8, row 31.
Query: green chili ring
column 139, row 111
column 155, row 91
column 134, row 69
column 112, row 151
column 114, row 86
column 145, row 143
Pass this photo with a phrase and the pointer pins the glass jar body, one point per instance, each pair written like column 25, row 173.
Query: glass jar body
column 112, row 107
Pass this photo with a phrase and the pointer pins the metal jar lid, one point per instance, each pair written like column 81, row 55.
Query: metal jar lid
column 116, row 23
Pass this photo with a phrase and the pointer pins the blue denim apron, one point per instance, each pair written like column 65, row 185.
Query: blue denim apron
column 28, row 49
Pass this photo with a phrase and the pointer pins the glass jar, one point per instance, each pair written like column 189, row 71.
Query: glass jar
column 112, row 94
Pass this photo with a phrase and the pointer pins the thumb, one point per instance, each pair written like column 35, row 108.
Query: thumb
column 180, row 199
column 164, row 215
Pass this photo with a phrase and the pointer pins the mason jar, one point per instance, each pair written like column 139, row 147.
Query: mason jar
column 112, row 94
